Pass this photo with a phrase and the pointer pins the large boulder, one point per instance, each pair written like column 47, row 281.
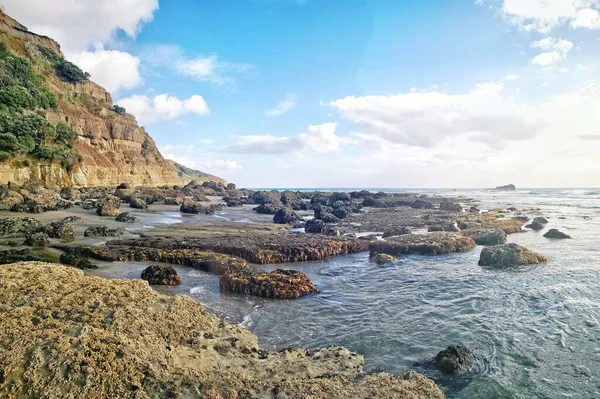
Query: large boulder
column 173, row 200
column 485, row 235
column 509, row 255
column 443, row 227
column 190, row 206
column 339, row 197
column 267, row 209
column 161, row 275
column 541, row 220
column 18, row 227
column 285, row 216
column 126, row 217
column 454, row 359
column 554, row 233
column 535, row 225
column 278, row 284
column 39, row 239
column 449, row 206
column 421, row 204
column 62, row 230
column 108, row 205
column 314, row 226
column 508, row 187
column 79, row 261
column 138, row 203
column 17, row 255
column 9, row 200
column 422, row 244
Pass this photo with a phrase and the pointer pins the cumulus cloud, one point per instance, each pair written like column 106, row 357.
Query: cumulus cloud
column 163, row 107
column 208, row 69
column 425, row 119
column 593, row 137
column 282, row 106
column 112, row 69
column 318, row 138
column 221, row 164
column 545, row 15
column 511, row 76
column 553, row 50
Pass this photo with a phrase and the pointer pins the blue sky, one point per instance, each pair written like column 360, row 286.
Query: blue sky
column 286, row 93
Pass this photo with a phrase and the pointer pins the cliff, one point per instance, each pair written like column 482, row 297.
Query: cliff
column 68, row 335
column 187, row 174
column 108, row 147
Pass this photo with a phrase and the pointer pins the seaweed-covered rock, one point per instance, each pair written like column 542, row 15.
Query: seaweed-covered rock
column 509, row 255
column 314, row 226
column 161, row 275
column 509, row 226
column 62, row 230
column 454, row 359
column 17, row 255
column 138, row 203
column 190, row 206
column 339, row 197
column 423, row 244
column 126, row 217
column 10, row 199
column 102, row 231
column 382, row 259
column 279, row 284
column 554, row 233
column 535, row 225
column 449, row 206
column 76, row 260
column 443, row 227
column 18, row 227
column 398, row 231
column 108, row 205
column 72, row 219
column 38, row 239
column 329, row 218
column 285, row 216
column 421, row 204
column 541, row 220
column 485, row 235
column 173, row 200
column 267, row 209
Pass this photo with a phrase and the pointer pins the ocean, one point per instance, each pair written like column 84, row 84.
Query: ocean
column 536, row 328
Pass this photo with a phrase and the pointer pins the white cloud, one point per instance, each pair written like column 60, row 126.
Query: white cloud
column 222, row 165
column 554, row 50
column 282, row 106
column 202, row 68
column 511, row 76
column 163, row 107
column 426, row 119
column 318, row 138
column 76, row 24
column 112, row 69
column 545, row 15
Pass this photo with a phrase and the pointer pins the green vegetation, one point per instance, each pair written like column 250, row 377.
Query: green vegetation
column 190, row 174
column 24, row 129
column 65, row 70
column 119, row 110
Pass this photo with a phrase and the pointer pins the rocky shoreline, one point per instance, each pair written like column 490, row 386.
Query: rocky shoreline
column 84, row 227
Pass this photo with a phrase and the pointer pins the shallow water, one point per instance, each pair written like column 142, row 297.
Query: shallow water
column 536, row 327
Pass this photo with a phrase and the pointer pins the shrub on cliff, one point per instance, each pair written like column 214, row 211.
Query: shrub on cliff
column 119, row 110
column 69, row 72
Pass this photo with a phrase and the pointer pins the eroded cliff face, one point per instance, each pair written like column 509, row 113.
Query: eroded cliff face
column 113, row 148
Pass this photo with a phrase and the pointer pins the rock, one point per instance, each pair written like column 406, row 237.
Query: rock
column 508, row 187
column 126, row 217
column 509, row 255
column 449, row 206
column 267, row 209
column 161, row 275
column 76, row 260
column 108, row 205
column 314, row 226
column 340, row 212
column 62, row 230
column 279, row 284
column 102, row 231
column 454, row 359
column 522, row 218
column 285, row 216
column 18, row 227
column 474, row 209
column 462, row 225
column 485, row 235
column 37, row 199
column 123, row 186
column 382, row 259
column 332, row 231
column 339, row 197
column 329, row 218
column 423, row 244
column 89, row 204
column 124, row 194
column 173, row 200
column 135, row 338
column 443, row 227
column 39, row 239
column 268, row 197
column 72, row 219
column 10, row 200
column 509, row 226
column 398, row 231
column 541, row 220
column 138, row 203
column 17, row 255
column 190, row 206
column 231, row 186
column 554, row 233
column 319, row 200
column 420, row 204
column 535, row 225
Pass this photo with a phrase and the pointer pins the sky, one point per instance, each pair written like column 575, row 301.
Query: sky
column 332, row 93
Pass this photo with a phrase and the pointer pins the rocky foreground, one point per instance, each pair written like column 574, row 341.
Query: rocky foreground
column 65, row 334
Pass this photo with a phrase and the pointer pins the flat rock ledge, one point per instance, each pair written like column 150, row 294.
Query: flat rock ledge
column 278, row 284
column 509, row 255
column 422, row 244
column 66, row 334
